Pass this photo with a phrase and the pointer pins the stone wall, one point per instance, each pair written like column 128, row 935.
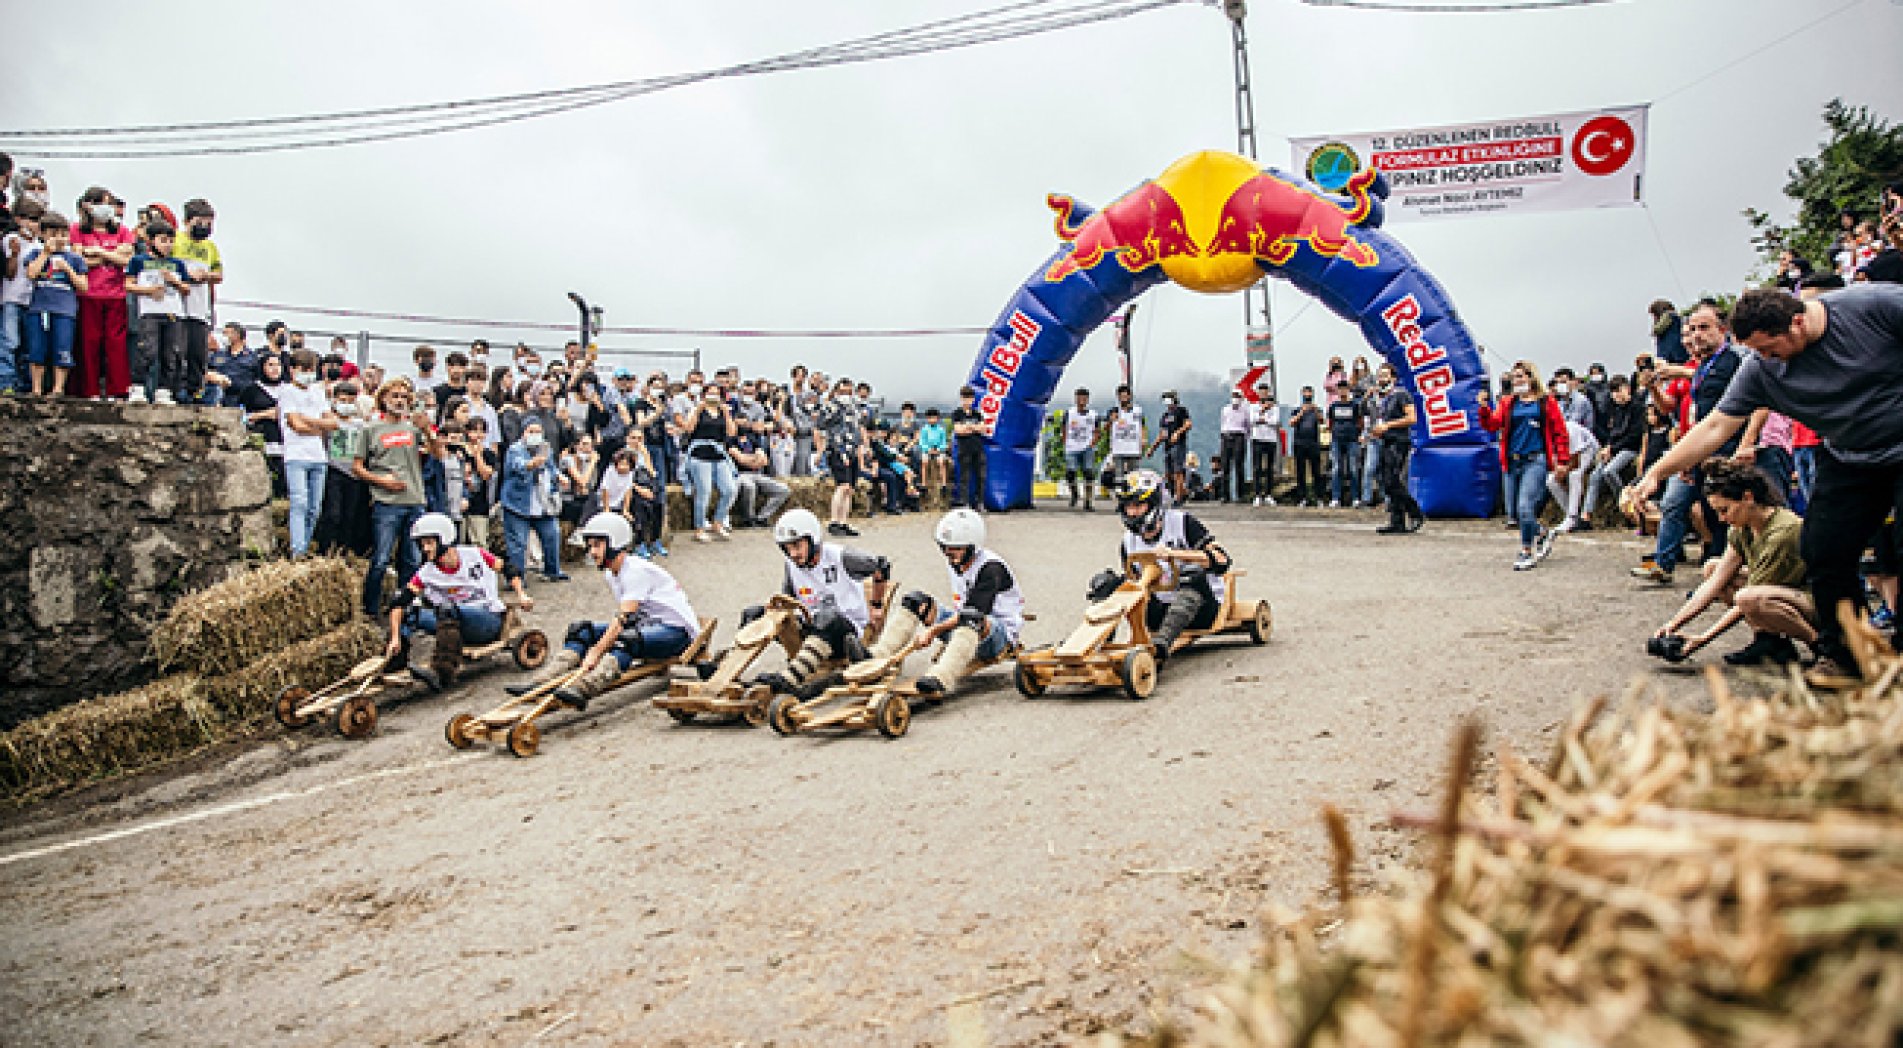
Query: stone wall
column 109, row 512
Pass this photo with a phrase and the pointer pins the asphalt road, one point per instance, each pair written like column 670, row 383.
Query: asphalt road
column 642, row 882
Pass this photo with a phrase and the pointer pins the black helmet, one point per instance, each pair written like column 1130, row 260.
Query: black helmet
column 1143, row 488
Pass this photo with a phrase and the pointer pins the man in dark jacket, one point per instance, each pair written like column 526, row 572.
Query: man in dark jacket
column 1624, row 422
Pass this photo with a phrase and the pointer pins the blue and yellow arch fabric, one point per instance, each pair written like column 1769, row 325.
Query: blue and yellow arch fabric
column 1215, row 222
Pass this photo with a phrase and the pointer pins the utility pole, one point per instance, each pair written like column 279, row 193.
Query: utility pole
column 1257, row 324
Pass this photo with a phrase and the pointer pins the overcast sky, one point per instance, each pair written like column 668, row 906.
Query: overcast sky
column 910, row 193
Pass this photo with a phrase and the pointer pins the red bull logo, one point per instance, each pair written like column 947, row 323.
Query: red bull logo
column 1210, row 220
column 1433, row 377
column 1001, row 364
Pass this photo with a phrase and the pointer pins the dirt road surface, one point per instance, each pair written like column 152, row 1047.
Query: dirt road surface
column 642, row 882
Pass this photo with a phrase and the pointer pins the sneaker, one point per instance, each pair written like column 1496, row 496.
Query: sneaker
column 136, row 395
column 660, row 550
column 1391, row 528
column 1258, row 502
column 1416, row 522
column 1651, row 572
column 1268, row 500
column 1524, row 562
column 1567, row 525
column 723, row 532
column 1360, row 504
column 1334, row 503
column 1543, row 545
column 1583, row 525
column 1827, row 672
column 1764, row 647
column 163, row 396
column 1512, row 524
column 703, row 535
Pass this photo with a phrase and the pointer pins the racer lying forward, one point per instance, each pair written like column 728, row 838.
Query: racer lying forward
column 652, row 619
column 984, row 620
column 453, row 595
column 1196, row 568
column 830, row 582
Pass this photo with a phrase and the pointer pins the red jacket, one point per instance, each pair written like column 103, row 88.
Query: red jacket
column 1498, row 418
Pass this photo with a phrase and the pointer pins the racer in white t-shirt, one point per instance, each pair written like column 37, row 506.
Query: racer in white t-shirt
column 652, row 619
column 454, row 595
column 1194, row 572
column 983, row 621
column 831, row 582
column 1081, row 426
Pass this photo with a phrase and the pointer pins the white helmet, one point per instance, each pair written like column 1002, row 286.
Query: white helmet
column 436, row 526
column 796, row 524
column 611, row 526
column 960, row 527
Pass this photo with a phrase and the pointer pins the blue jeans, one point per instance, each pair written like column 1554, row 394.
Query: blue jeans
column 515, row 539
column 49, row 338
column 391, row 527
column 995, row 641
column 306, row 483
column 651, row 641
column 1370, row 470
column 1675, row 519
column 1344, row 467
column 1526, row 485
column 1804, row 463
column 480, row 625
column 711, row 477
column 661, row 457
column 12, row 315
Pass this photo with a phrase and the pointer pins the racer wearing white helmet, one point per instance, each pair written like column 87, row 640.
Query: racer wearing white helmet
column 986, row 615
column 1191, row 590
column 453, row 595
column 653, row 619
column 844, row 592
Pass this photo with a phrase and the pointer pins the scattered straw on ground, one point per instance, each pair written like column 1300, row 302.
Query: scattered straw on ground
column 227, row 627
column 169, row 718
column 1668, row 878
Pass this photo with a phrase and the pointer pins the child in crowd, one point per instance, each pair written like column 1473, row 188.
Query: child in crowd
column 479, row 470
column 934, row 445
column 16, row 293
column 160, row 282
column 52, row 314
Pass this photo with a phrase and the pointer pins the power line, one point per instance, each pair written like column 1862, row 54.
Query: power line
column 310, row 131
column 541, row 325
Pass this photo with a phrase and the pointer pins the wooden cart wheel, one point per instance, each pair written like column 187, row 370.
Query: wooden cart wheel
column 891, row 714
column 1030, row 685
column 357, row 717
column 756, row 699
column 779, row 715
column 288, row 701
column 1262, row 623
column 531, row 650
column 524, row 738
column 458, row 733
column 681, row 716
column 1139, row 674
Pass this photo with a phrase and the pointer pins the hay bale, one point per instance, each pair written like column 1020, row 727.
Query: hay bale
column 272, row 606
column 1668, row 877
column 99, row 737
column 248, row 696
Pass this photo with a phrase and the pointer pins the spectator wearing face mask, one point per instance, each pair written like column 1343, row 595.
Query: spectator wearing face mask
column 1344, row 447
column 1392, row 425
column 1534, row 443
column 101, row 368
column 206, row 269
column 424, row 358
column 1598, row 392
column 1570, row 489
column 1624, row 422
column 532, row 501
column 1573, row 404
column 648, row 415
column 16, row 294
column 58, row 276
column 1305, row 447
column 305, row 419
column 260, row 403
column 1265, row 418
column 343, row 522
column 1234, row 427
column 1172, row 435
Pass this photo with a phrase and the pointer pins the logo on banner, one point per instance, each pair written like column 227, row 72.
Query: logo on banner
column 1603, row 145
column 1332, row 164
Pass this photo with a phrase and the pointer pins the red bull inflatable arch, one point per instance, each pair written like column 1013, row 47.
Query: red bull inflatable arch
column 1215, row 222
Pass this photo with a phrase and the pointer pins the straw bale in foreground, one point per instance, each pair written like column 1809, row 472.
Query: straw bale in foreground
column 270, row 607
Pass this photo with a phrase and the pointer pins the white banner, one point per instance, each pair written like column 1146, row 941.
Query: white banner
column 1564, row 162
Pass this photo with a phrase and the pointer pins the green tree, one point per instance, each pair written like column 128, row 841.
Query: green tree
column 1862, row 153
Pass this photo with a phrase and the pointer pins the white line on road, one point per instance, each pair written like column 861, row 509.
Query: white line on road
column 233, row 808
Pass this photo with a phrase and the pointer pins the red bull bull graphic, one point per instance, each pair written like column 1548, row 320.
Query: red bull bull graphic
column 1216, row 222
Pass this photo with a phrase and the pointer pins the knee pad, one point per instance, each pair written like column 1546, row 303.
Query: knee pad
column 973, row 619
column 751, row 613
column 919, row 603
column 580, row 633
column 1103, row 584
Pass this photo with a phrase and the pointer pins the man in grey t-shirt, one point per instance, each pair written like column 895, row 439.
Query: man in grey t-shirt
column 1835, row 364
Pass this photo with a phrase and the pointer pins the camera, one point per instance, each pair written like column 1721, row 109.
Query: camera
column 1671, row 648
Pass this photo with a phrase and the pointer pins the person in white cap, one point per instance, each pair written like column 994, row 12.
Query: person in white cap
column 454, row 594
column 831, row 582
column 986, row 613
column 652, row 618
